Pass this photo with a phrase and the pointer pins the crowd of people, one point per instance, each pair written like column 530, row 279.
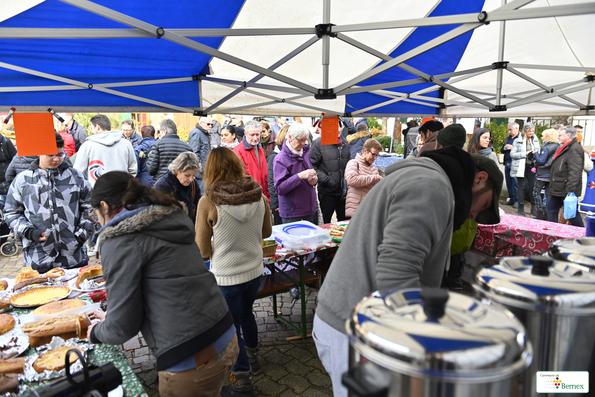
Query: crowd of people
column 158, row 209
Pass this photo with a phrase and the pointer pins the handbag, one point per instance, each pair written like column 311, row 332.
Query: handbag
column 570, row 204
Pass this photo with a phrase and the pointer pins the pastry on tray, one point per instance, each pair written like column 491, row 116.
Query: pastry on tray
column 41, row 332
column 88, row 272
column 12, row 366
column 9, row 383
column 26, row 272
column 3, row 285
column 55, row 273
column 54, row 360
column 38, row 296
column 7, row 323
column 58, row 306
column 30, row 281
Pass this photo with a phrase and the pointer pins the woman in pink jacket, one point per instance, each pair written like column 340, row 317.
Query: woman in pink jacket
column 361, row 175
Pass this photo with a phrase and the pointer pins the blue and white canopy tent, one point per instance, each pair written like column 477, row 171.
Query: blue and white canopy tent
column 463, row 58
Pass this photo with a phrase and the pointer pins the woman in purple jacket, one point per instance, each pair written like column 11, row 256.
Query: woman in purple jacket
column 295, row 178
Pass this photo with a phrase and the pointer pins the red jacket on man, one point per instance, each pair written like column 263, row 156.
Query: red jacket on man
column 257, row 169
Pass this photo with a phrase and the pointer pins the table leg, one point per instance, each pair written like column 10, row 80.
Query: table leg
column 303, row 294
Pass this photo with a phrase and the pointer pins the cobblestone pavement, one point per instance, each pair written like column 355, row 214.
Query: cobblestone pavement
column 291, row 368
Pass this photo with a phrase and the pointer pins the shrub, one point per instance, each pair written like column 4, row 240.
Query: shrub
column 184, row 134
column 385, row 142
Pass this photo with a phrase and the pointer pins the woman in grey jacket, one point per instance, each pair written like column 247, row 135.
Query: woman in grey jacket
column 523, row 153
column 159, row 285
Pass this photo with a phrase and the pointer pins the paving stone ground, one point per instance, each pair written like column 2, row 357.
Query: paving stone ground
column 290, row 368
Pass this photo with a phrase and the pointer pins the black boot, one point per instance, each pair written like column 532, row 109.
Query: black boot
column 533, row 211
column 522, row 209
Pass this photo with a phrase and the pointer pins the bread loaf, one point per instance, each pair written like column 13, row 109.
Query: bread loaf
column 13, row 366
column 4, row 304
column 88, row 272
column 54, row 360
column 30, row 327
column 7, row 323
column 58, row 306
column 30, row 281
column 26, row 272
column 3, row 285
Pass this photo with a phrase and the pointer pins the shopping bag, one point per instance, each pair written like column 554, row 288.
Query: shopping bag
column 570, row 204
column 520, row 172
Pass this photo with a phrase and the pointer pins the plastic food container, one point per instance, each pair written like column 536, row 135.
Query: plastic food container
column 300, row 235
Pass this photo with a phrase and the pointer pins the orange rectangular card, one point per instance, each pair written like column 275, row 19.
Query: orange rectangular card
column 329, row 131
column 35, row 134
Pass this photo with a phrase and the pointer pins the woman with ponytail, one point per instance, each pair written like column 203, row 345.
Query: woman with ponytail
column 158, row 284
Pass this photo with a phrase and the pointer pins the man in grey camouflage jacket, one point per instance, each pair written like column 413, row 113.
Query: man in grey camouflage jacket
column 48, row 206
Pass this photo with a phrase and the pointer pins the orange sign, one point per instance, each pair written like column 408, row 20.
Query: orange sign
column 329, row 134
column 35, row 134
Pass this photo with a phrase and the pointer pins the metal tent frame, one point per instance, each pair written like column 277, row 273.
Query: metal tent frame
column 497, row 102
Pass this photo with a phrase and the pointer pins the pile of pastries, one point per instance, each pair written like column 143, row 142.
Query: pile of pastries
column 30, row 290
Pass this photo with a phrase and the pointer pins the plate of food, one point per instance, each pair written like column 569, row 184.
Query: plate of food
column 337, row 232
column 13, row 341
column 37, row 296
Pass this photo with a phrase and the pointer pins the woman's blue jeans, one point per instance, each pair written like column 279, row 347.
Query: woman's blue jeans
column 240, row 299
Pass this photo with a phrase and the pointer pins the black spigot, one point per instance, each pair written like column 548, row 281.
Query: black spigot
column 434, row 300
column 540, row 265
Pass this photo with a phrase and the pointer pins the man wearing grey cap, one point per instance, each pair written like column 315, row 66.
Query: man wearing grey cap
column 406, row 224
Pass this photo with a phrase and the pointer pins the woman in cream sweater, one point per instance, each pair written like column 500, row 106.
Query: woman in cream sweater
column 236, row 214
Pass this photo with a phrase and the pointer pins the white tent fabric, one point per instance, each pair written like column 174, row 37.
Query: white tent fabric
column 381, row 58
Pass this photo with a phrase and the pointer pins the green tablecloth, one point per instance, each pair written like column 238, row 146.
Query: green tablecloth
column 101, row 354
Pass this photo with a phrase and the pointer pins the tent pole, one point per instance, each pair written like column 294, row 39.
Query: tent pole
column 274, row 66
column 500, row 72
column 542, row 96
column 326, row 44
column 552, row 67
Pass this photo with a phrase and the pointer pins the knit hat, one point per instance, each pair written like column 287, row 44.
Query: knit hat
column 454, row 134
column 490, row 216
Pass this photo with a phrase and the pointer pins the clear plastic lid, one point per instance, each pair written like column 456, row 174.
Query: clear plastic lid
column 433, row 331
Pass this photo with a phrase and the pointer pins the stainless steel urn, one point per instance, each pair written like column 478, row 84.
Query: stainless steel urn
column 580, row 251
column 432, row 342
column 555, row 301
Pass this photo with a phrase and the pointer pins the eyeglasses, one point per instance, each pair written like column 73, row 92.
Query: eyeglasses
column 94, row 217
column 127, row 130
column 59, row 155
column 209, row 124
column 374, row 154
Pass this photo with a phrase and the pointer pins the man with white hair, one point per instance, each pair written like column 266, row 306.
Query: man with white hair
column 512, row 183
column 252, row 155
column 567, row 174
column 200, row 142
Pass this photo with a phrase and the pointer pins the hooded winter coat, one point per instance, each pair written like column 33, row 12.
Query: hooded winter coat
column 356, row 142
column 297, row 198
column 55, row 202
column 545, row 158
column 567, row 170
column 237, row 217
column 105, row 152
column 361, row 177
column 163, row 152
column 158, row 284
column 20, row 164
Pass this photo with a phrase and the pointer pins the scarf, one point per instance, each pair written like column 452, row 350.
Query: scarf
column 486, row 151
column 264, row 141
column 292, row 150
column 459, row 167
column 562, row 148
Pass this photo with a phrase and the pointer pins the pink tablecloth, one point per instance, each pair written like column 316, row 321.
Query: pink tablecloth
column 531, row 236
